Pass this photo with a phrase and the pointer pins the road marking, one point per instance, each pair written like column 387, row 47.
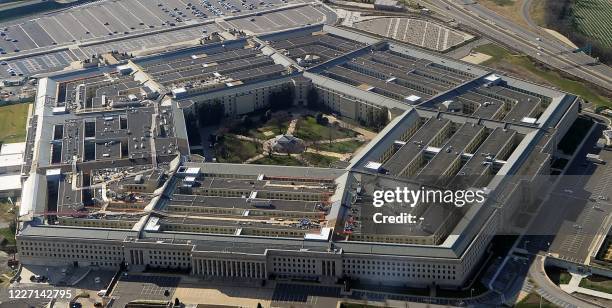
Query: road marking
column 280, row 14
column 130, row 12
column 26, row 33
column 115, row 17
column 271, row 21
column 63, row 27
column 424, row 34
column 96, row 18
column 396, row 27
column 154, row 15
column 82, row 25
column 308, row 18
column 49, row 34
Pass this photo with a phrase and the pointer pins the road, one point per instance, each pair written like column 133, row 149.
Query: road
column 550, row 290
column 547, row 49
column 525, row 13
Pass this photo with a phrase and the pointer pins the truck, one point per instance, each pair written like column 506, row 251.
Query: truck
column 595, row 158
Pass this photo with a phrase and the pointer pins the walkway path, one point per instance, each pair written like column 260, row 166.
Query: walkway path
column 574, row 287
column 245, row 138
column 255, row 158
column 292, row 124
column 358, row 138
column 369, row 135
column 549, row 290
column 332, row 154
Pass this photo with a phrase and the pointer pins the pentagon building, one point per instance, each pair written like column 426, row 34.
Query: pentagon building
column 109, row 179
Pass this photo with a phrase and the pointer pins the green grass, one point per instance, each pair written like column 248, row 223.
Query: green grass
column 8, row 235
column 592, row 17
column 502, row 56
column 558, row 275
column 6, row 214
column 13, row 123
column 308, row 129
column 281, row 160
column 597, row 283
column 340, row 147
column 502, row 2
column 234, row 150
column 533, row 301
column 275, row 128
column 319, row 160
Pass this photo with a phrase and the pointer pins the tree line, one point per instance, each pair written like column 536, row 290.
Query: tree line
column 559, row 16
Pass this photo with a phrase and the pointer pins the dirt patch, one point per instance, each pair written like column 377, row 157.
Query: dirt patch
column 476, row 58
column 510, row 9
column 561, row 37
column 519, row 72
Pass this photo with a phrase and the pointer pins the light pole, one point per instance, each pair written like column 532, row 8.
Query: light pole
column 540, row 300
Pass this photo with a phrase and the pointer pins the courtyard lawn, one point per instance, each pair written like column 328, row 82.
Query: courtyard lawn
column 234, row 150
column 308, row 129
column 13, row 123
column 340, row 147
column 282, row 160
column 269, row 129
column 319, row 160
column 9, row 235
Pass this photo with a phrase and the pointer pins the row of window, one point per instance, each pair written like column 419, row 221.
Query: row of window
column 398, row 264
column 395, row 274
column 55, row 244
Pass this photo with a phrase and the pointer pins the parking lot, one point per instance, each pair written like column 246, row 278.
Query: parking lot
column 280, row 20
column 38, row 64
column 136, row 286
column 415, row 31
column 151, row 41
column 89, row 26
column 118, row 18
column 54, row 61
column 299, row 295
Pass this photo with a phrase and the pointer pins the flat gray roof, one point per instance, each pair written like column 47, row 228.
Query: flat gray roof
column 450, row 151
column 396, row 164
column 75, row 232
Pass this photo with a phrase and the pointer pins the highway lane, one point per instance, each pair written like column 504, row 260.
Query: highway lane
column 553, row 53
column 549, row 47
